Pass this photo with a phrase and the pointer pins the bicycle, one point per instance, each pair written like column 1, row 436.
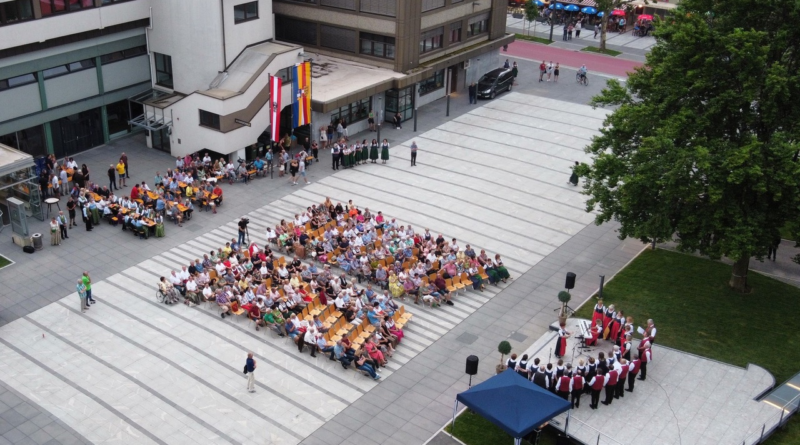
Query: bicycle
column 583, row 79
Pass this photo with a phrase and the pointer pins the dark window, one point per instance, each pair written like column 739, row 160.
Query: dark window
column 15, row 11
column 208, row 119
column 455, row 32
column 50, row 7
column 245, row 12
column 378, row 46
column 429, row 5
column 431, row 40
column 343, row 4
column 478, row 25
column 163, row 70
column 432, row 83
column 380, row 7
column 286, row 75
column 338, row 38
column 13, row 82
column 356, row 111
column 294, row 30
column 73, row 67
column 105, row 59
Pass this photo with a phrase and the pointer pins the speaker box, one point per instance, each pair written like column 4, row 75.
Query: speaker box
column 570, row 281
column 472, row 365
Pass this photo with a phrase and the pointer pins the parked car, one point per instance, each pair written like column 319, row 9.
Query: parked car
column 495, row 82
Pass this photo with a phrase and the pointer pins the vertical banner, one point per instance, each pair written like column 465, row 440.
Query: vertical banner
column 301, row 91
column 275, row 111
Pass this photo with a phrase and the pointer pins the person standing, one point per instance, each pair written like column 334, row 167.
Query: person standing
column 569, row 31
column 561, row 341
column 773, row 247
column 624, row 369
column 564, row 38
column 124, row 159
column 336, row 152
column 473, row 93
column 87, row 217
column 315, row 149
column 611, row 385
column 242, row 230
column 112, row 178
column 82, row 294
column 87, row 283
column 550, row 68
column 121, row 172
column 62, row 224
column 373, row 151
column 55, row 235
column 576, row 388
column 597, row 384
column 646, row 356
column 71, row 209
column 564, row 384
column 414, row 153
column 302, row 170
column 573, row 179
column 250, row 369
column 515, row 72
column 555, row 72
column 385, row 151
column 542, row 70
column 578, row 30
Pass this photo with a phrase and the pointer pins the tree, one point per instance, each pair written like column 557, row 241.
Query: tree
column 531, row 14
column 606, row 6
column 703, row 144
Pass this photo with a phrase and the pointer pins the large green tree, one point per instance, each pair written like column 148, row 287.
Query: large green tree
column 702, row 146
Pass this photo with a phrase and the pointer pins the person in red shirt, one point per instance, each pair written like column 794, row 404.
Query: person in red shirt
column 135, row 192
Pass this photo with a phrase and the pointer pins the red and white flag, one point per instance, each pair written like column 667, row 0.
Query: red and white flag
column 275, row 102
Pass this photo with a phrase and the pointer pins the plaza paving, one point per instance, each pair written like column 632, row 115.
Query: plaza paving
column 133, row 371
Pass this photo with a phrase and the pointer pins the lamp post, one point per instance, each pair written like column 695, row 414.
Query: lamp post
column 447, row 86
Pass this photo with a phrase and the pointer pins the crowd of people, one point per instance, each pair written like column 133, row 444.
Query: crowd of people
column 609, row 370
column 353, row 316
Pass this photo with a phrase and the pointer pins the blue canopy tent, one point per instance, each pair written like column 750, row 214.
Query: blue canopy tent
column 513, row 403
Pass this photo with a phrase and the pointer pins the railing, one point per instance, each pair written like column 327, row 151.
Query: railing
column 776, row 421
column 598, row 437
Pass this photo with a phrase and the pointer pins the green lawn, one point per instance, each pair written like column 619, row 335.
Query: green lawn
column 533, row 39
column 4, row 262
column 473, row 429
column 608, row 52
column 695, row 311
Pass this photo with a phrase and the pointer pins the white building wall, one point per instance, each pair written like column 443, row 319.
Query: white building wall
column 237, row 37
column 25, row 100
column 126, row 72
column 65, row 89
column 35, row 31
column 190, row 31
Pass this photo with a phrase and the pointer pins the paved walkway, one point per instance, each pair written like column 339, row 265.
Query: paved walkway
column 537, row 52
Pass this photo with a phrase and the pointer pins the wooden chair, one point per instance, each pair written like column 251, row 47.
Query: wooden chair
column 457, row 283
column 465, row 280
column 482, row 273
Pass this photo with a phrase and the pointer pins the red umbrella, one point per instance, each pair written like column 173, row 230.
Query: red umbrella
column 645, row 17
column 620, row 12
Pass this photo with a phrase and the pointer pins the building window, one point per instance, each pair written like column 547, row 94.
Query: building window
column 50, row 7
column 15, row 11
column 341, row 4
column 429, row 5
column 110, row 2
column 478, row 25
column 286, row 75
column 163, row 70
column 19, row 81
column 294, row 30
column 245, row 12
column 455, row 32
column 69, row 68
column 356, row 111
column 209, row 120
column 431, row 40
column 380, row 7
column 338, row 38
column 377, row 46
column 432, row 83
column 105, row 59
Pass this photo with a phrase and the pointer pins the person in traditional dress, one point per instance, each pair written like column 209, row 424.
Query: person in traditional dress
column 599, row 310
column 573, row 179
column 364, row 152
column 373, row 151
column 608, row 315
column 501, row 270
column 353, row 154
column 385, row 150
column 55, row 233
column 356, row 153
column 561, row 341
column 594, row 334
column 345, row 156
column 616, row 324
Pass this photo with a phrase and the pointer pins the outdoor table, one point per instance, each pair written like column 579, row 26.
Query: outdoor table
column 50, row 202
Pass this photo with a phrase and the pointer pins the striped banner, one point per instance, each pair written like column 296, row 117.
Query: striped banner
column 301, row 92
column 275, row 99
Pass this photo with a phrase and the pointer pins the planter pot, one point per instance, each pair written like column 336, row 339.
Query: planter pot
column 500, row 368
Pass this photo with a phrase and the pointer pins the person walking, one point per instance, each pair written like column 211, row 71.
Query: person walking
column 473, row 93
column 124, row 159
column 413, row 153
column 121, row 172
column 250, row 370
column 772, row 254
column 301, row 168
column 573, row 179
column 578, row 30
column 62, row 224
column 112, row 178
column 515, row 72
column 82, row 294
column 550, row 70
column 87, row 283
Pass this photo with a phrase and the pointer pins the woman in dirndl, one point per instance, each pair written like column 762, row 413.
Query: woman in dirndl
column 501, row 270
column 597, row 313
column 561, row 341
column 373, row 151
column 385, row 150
column 55, row 232
column 356, row 154
column 364, row 151
column 353, row 154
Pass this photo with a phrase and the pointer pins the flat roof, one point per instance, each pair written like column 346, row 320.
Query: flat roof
column 12, row 160
column 333, row 78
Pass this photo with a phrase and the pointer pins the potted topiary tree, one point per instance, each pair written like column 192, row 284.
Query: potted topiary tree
column 504, row 348
column 564, row 298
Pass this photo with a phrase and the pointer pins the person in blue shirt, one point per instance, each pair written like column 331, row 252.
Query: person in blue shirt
column 160, row 205
column 250, row 369
column 374, row 314
column 258, row 164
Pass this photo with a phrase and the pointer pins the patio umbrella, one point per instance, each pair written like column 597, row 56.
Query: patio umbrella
column 645, row 17
column 601, row 13
column 620, row 12
column 572, row 8
column 589, row 10
column 558, row 6
column 539, row 3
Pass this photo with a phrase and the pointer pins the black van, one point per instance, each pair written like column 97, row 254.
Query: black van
column 495, row 82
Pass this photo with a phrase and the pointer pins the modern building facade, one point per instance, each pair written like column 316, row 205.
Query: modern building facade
column 422, row 41
column 191, row 73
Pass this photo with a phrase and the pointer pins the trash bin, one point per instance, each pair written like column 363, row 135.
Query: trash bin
column 37, row 241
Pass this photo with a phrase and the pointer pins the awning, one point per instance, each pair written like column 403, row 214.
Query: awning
column 13, row 160
column 153, row 103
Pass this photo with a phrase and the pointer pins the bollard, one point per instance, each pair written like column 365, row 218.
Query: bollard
column 602, row 282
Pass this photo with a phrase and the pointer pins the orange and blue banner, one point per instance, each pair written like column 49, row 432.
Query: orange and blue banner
column 301, row 92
